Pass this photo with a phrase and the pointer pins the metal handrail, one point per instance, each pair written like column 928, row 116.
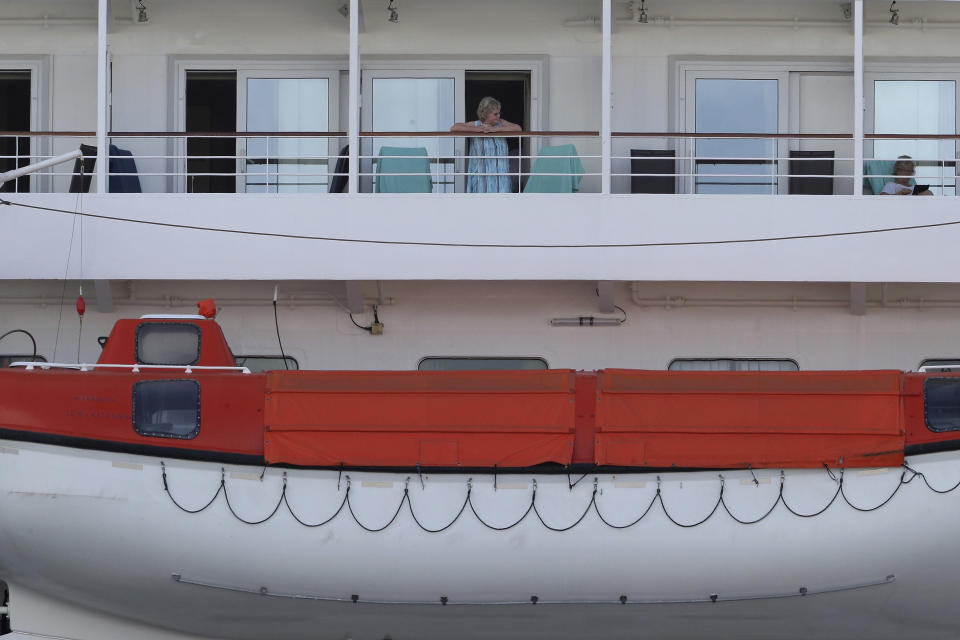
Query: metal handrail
column 134, row 368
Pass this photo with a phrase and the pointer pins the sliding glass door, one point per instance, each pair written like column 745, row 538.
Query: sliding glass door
column 917, row 107
column 413, row 101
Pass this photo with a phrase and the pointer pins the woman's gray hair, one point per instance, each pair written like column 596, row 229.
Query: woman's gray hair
column 487, row 106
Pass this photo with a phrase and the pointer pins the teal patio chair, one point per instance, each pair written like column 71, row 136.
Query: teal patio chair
column 877, row 173
column 557, row 170
column 414, row 172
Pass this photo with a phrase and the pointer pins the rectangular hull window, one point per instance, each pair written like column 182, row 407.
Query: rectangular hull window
column 257, row 364
column 168, row 343
column 941, row 404
column 472, row 363
column 167, row 408
column 733, row 364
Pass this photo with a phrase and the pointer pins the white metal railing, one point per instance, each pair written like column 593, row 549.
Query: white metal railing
column 133, row 368
column 442, row 162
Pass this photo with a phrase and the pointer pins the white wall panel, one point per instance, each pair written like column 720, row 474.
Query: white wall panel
column 127, row 250
column 512, row 319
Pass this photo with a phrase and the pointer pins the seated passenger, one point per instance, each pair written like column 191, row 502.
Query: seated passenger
column 900, row 186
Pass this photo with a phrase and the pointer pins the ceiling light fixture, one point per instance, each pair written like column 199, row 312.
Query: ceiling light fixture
column 642, row 16
column 894, row 13
column 394, row 15
column 141, row 12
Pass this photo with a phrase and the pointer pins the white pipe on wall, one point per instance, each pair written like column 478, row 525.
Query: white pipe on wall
column 661, row 21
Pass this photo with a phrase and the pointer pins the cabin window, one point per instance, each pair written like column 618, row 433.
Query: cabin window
column 475, row 363
column 941, row 365
column 15, row 115
column 168, row 343
column 6, row 359
column 918, row 104
column 262, row 97
column 733, row 364
column 167, row 408
column 736, row 105
column 267, row 363
column 941, row 404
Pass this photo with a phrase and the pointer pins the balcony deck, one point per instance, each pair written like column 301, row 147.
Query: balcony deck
column 665, row 190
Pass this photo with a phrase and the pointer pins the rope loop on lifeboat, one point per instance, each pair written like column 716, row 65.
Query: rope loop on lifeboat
column 907, row 475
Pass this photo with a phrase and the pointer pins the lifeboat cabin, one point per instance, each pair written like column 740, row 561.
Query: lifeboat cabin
column 169, row 385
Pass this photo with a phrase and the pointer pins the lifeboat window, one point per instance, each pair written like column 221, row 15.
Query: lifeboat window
column 267, row 363
column 167, row 408
column 941, row 365
column 941, row 404
column 479, row 363
column 168, row 343
column 733, row 364
column 6, row 359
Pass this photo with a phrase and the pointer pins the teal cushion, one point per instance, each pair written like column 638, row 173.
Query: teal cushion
column 388, row 165
column 557, row 170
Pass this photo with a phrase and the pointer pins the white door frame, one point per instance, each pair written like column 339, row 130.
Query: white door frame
column 326, row 68
column 332, row 76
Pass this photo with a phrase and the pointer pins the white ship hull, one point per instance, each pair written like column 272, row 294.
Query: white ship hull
column 112, row 554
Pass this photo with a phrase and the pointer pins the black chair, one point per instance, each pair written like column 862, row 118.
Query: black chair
column 661, row 162
column 89, row 163
column 806, row 163
column 338, row 184
column 121, row 167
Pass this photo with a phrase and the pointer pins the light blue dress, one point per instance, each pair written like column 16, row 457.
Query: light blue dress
column 489, row 166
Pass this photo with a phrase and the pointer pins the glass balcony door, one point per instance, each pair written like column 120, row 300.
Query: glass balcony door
column 403, row 101
column 731, row 102
column 917, row 104
column 281, row 103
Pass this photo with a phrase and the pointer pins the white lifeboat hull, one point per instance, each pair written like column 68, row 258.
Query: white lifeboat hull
column 94, row 547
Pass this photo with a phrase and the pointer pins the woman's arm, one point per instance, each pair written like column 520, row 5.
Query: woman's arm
column 464, row 127
column 506, row 125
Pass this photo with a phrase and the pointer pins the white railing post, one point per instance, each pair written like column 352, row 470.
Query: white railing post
column 102, row 152
column 858, row 97
column 605, row 97
column 353, row 101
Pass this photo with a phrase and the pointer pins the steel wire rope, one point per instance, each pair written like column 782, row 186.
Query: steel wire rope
column 463, row 507
column 764, row 516
column 290, row 510
column 868, row 510
column 592, row 504
column 716, row 506
column 417, row 243
column 923, row 477
column 816, row 513
column 583, row 515
column 226, row 497
column 596, row 508
column 166, row 489
column 370, row 529
column 509, row 526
